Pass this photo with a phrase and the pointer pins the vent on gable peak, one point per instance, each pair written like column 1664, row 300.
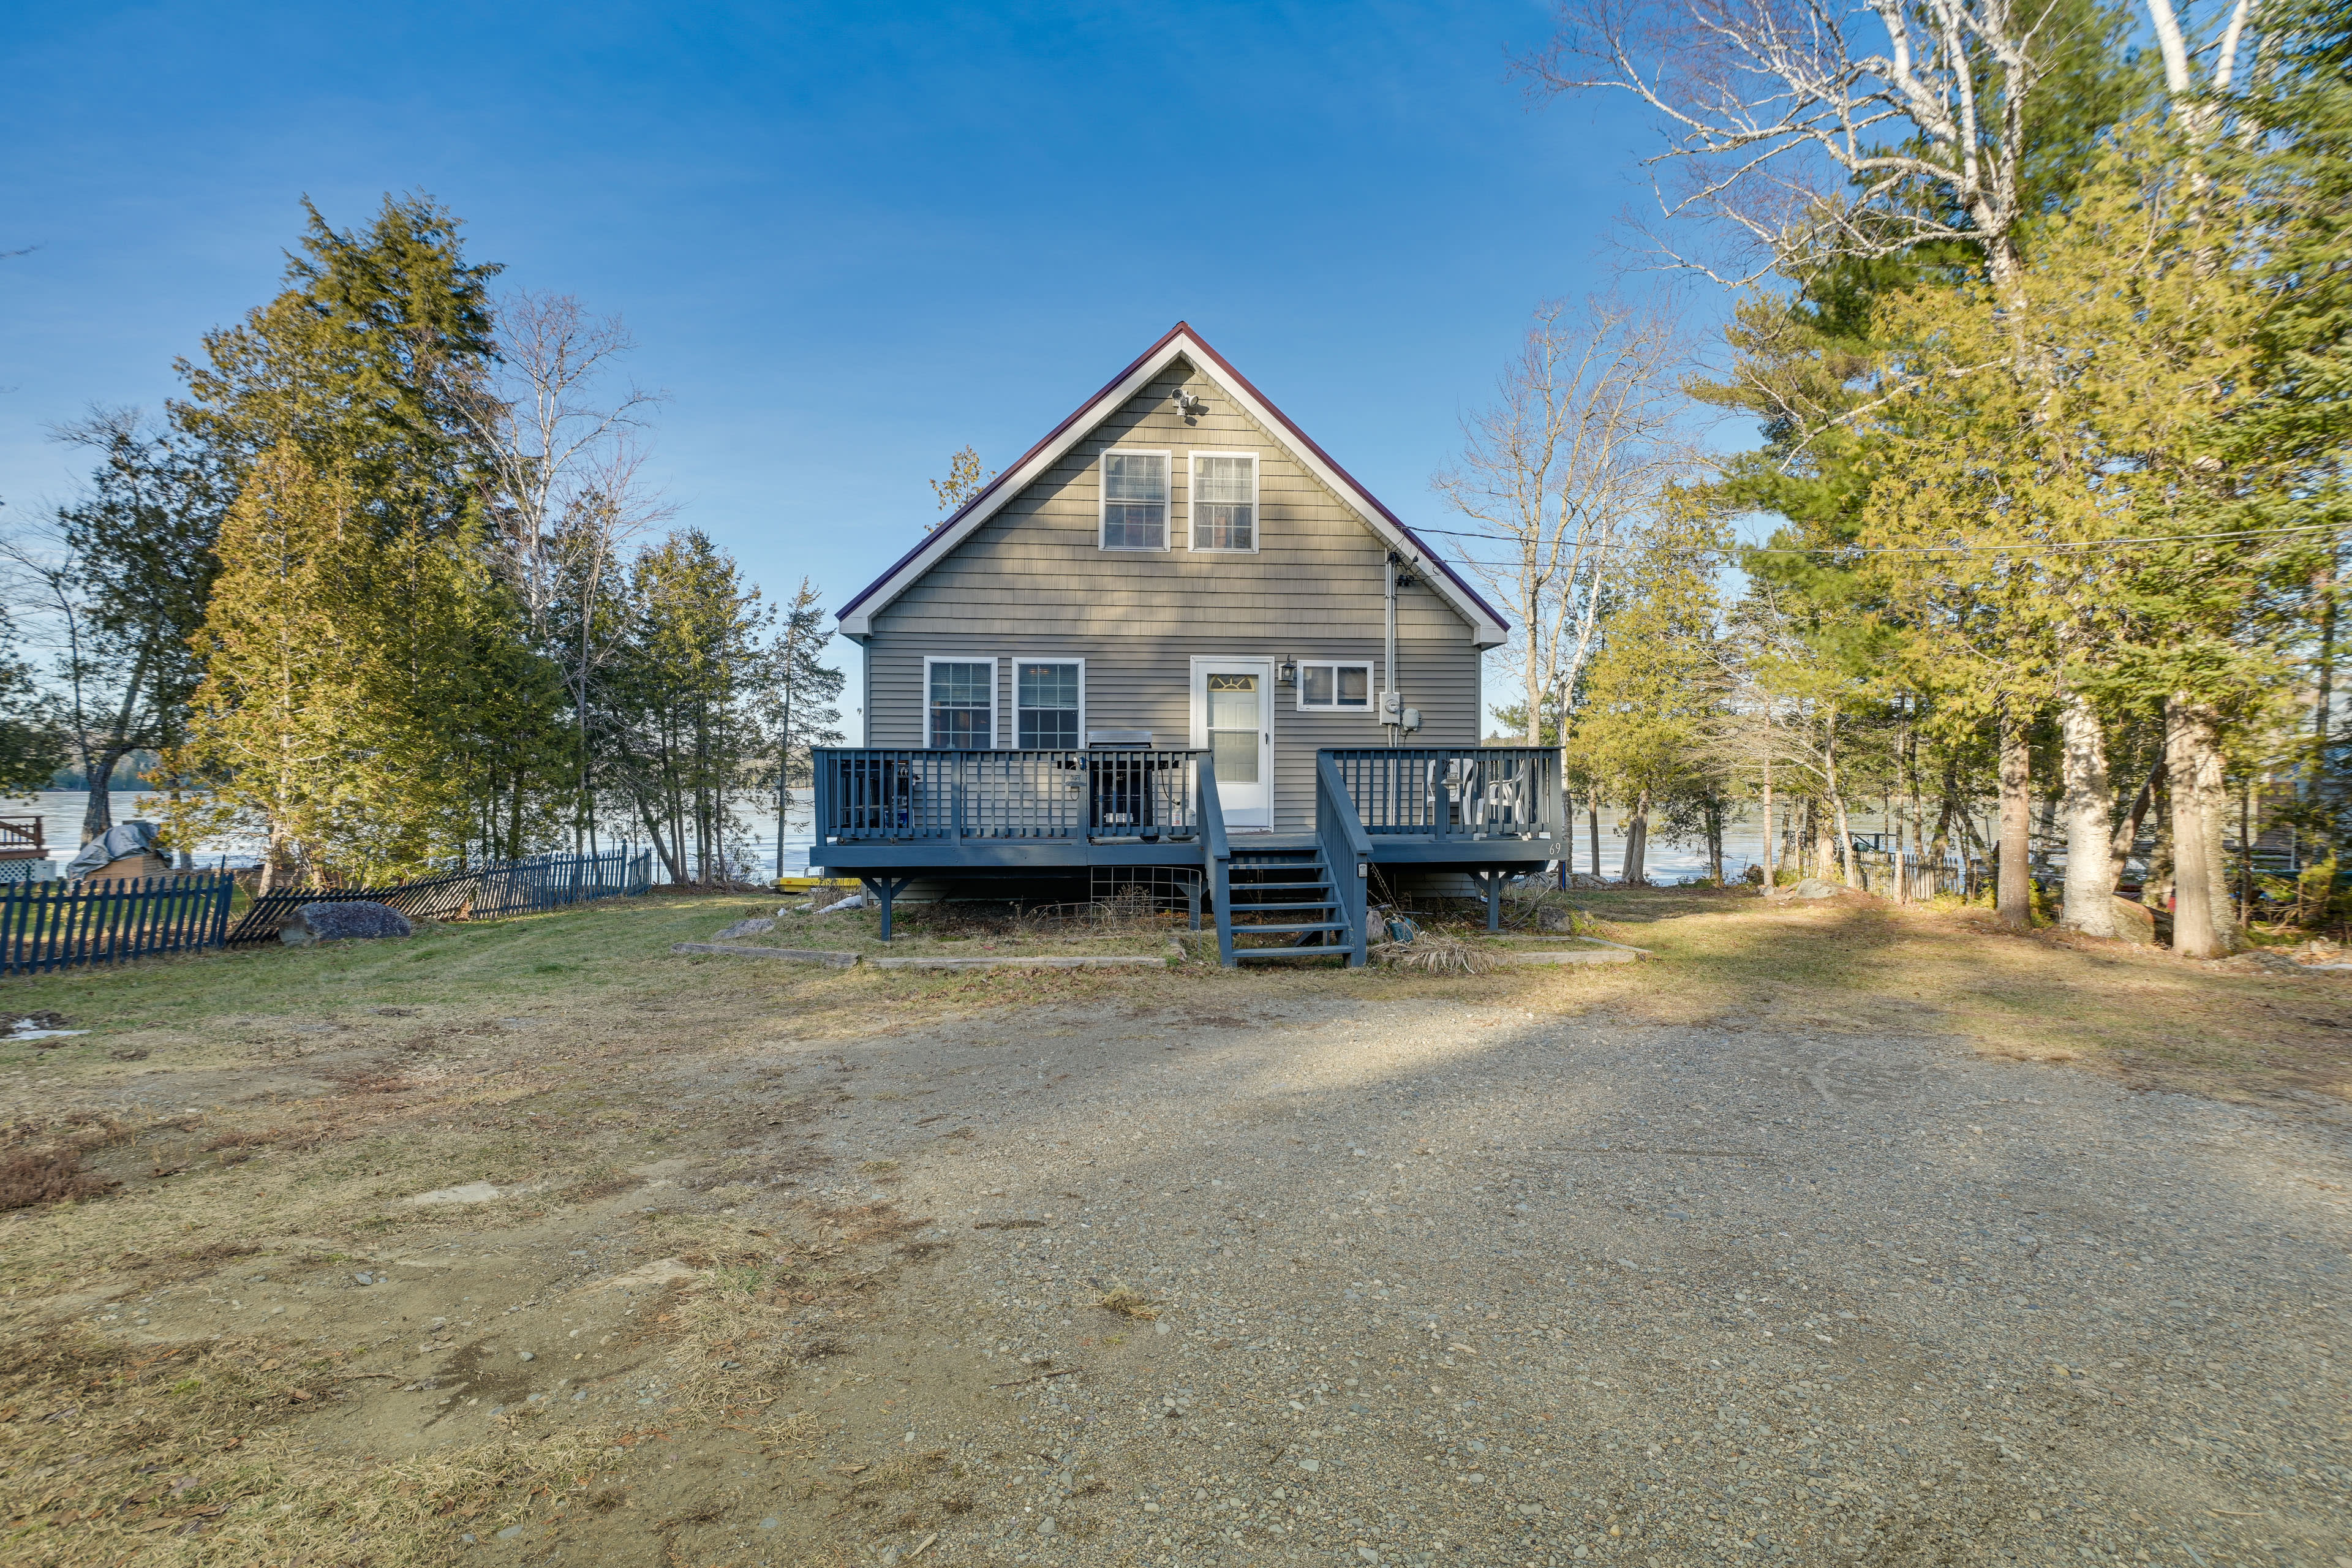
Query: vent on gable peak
column 1190, row 406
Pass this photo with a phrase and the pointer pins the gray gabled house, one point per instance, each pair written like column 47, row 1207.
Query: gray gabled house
column 1176, row 634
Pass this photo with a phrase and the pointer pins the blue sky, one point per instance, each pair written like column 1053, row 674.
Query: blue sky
column 849, row 238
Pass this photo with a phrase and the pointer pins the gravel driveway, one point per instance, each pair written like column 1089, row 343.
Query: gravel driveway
column 1442, row 1280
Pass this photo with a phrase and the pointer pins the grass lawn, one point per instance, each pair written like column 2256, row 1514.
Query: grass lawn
column 192, row 1371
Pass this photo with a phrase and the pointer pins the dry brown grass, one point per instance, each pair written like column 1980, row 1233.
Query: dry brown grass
column 29, row 1179
column 1129, row 1303
column 355, row 1077
column 1854, row 963
column 1434, row 952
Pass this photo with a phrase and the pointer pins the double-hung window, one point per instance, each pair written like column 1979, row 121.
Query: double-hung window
column 1224, row 500
column 961, row 701
column 1135, row 501
column 1048, row 703
column 1339, row 688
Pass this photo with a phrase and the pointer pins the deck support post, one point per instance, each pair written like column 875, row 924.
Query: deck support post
column 1192, row 900
column 882, row 890
column 1493, row 880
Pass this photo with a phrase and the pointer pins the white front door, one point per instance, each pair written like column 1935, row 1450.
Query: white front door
column 1232, row 720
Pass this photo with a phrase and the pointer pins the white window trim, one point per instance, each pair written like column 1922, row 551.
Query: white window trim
column 1192, row 490
column 995, row 697
column 1371, row 668
column 1102, row 500
column 1020, row 660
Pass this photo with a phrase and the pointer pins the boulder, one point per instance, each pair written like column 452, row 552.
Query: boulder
column 2135, row 922
column 753, row 927
column 342, row 922
column 1811, row 888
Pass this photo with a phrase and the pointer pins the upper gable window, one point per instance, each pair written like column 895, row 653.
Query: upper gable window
column 1224, row 500
column 1135, row 501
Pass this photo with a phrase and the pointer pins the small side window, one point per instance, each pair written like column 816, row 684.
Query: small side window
column 1135, row 501
column 1339, row 688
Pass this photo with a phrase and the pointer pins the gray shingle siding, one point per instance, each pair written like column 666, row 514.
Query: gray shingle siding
column 1032, row 582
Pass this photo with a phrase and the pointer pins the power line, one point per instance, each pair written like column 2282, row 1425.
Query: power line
column 2016, row 548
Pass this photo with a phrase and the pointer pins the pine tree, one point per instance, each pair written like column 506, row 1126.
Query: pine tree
column 281, row 710
column 360, row 373
column 1654, row 688
column 800, row 694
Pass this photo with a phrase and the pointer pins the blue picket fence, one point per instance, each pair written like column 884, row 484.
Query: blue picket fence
column 527, row 887
column 54, row 925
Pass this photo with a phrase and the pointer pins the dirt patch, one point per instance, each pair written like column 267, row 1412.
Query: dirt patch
column 741, row 1233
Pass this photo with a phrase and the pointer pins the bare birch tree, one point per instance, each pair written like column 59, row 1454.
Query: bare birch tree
column 1806, row 132
column 1559, row 471
column 568, row 470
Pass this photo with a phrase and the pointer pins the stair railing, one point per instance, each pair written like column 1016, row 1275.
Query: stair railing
column 1346, row 853
column 1216, row 856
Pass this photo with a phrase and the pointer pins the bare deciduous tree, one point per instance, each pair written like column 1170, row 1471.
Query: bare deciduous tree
column 569, row 477
column 1810, row 130
column 1574, row 452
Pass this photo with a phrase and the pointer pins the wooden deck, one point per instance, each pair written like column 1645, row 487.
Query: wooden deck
column 889, row 815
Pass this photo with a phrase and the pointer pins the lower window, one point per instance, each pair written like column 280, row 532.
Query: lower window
column 1336, row 686
column 962, row 703
column 1047, row 701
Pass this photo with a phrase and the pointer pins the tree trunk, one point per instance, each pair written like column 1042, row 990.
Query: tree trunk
column 1768, row 867
column 2087, row 808
column 2127, row 830
column 98, row 809
column 2013, row 894
column 1846, row 842
column 2246, row 852
column 1593, row 821
column 1714, row 842
column 2323, row 697
column 661, row 845
column 1637, row 839
column 1947, row 806
column 2155, row 889
column 2193, row 754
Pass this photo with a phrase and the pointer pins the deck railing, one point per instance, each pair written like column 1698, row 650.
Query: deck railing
column 20, row 838
column 880, row 795
column 1445, row 792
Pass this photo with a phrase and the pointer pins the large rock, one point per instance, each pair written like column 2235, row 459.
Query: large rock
column 342, row 922
column 754, row 927
column 1811, row 888
column 2135, row 922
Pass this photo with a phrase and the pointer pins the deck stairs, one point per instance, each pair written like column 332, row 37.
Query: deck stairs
column 1279, row 901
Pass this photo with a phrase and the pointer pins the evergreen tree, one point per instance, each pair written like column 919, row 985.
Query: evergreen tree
column 679, row 724
column 363, row 374
column 1654, row 688
column 800, row 697
column 32, row 743
column 281, row 711
column 132, row 584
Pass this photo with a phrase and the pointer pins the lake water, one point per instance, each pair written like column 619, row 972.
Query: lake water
column 1743, row 843
column 60, row 811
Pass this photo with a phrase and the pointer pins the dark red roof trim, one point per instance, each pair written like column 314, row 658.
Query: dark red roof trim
column 1183, row 331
